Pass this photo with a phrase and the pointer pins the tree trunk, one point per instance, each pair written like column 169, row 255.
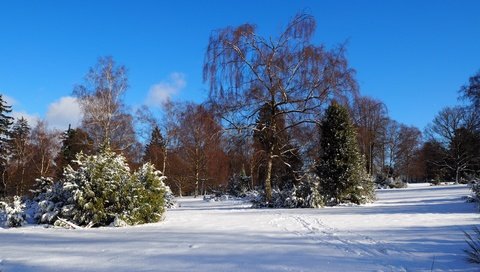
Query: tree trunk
column 268, row 178
column 457, row 174
column 252, row 169
column 196, row 182
column 4, row 183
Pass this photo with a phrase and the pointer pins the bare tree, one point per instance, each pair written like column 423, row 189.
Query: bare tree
column 370, row 118
column 455, row 130
column 289, row 74
column 391, row 143
column 201, row 144
column 45, row 144
column 104, row 116
column 471, row 91
column 408, row 148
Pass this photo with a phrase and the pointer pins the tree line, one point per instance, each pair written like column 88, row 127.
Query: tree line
column 264, row 119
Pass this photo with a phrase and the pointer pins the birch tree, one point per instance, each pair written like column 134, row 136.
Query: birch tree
column 288, row 73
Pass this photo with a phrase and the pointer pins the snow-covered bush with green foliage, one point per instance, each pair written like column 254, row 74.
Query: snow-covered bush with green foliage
column 146, row 201
column 238, row 185
column 102, row 191
column 475, row 186
column 305, row 194
column 48, row 201
column 12, row 214
column 389, row 183
column 170, row 201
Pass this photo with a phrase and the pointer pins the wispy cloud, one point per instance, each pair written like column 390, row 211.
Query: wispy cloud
column 164, row 90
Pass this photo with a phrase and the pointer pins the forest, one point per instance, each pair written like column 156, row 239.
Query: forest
column 265, row 124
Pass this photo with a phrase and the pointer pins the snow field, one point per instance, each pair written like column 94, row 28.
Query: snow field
column 414, row 229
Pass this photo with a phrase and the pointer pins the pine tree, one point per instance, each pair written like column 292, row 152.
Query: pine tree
column 341, row 168
column 19, row 149
column 5, row 124
column 73, row 141
column 155, row 150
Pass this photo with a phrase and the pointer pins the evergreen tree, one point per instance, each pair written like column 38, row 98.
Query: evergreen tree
column 341, row 168
column 5, row 124
column 73, row 141
column 155, row 150
column 19, row 149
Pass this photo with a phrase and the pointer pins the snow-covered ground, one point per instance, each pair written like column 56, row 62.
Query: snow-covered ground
column 414, row 229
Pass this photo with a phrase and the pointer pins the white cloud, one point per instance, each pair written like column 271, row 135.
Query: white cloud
column 163, row 91
column 63, row 112
column 32, row 119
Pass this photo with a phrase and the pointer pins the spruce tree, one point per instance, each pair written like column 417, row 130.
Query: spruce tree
column 20, row 155
column 5, row 124
column 340, row 167
column 155, row 150
column 74, row 141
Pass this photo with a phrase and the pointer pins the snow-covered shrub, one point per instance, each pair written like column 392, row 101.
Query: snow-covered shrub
column 238, row 185
column 475, row 186
column 473, row 241
column 101, row 191
column 397, row 183
column 303, row 195
column 436, row 181
column 98, row 190
column 392, row 183
column 146, row 202
column 49, row 199
column 170, row 201
column 12, row 215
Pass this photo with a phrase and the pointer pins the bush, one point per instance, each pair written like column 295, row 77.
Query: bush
column 391, row 183
column 475, row 186
column 48, row 201
column 100, row 192
column 170, row 201
column 146, row 204
column 303, row 195
column 436, row 181
column 12, row 214
column 238, row 185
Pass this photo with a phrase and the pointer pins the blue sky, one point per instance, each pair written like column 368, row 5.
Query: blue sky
column 413, row 55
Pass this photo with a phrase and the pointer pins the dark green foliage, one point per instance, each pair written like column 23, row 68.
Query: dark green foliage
column 306, row 194
column 149, row 206
column 473, row 241
column 19, row 158
column 6, row 122
column 74, row 141
column 155, row 149
column 340, row 167
column 238, row 185
column 267, row 134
